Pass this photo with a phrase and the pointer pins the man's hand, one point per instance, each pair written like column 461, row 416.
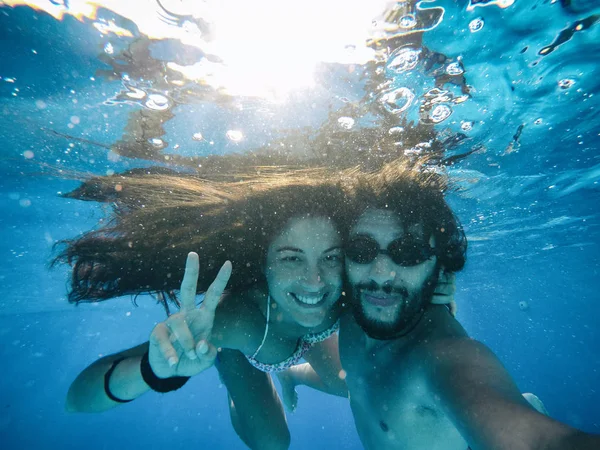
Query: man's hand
column 180, row 346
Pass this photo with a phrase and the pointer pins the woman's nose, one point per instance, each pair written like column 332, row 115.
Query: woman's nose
column 312, row 278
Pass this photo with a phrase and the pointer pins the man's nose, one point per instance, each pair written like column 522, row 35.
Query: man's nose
column 382, row 270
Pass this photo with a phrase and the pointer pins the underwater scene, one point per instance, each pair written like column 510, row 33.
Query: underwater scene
column 137, row 131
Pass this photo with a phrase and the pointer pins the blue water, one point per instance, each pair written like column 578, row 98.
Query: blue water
column 529, row 204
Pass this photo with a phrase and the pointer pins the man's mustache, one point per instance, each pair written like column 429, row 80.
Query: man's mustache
column 372, row 288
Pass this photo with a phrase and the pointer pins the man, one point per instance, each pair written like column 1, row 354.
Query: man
column 415, row 378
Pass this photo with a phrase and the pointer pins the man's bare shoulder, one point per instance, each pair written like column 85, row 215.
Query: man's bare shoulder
column 444, row 347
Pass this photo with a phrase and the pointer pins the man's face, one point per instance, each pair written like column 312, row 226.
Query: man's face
column 388, row 297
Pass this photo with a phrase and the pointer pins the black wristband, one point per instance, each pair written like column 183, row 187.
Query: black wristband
column 107, row 380
column 159, row 384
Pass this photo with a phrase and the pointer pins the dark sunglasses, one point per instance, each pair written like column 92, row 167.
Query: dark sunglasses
column 403, row 252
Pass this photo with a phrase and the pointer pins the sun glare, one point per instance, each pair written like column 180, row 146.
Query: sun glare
column 268, row 48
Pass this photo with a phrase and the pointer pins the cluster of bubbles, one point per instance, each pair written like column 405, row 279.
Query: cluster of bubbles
column 435, row 108
column 232, row 135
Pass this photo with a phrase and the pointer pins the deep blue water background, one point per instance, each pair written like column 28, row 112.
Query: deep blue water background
column 532, row 218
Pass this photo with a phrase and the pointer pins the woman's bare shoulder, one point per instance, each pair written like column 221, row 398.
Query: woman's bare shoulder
column 239, row 321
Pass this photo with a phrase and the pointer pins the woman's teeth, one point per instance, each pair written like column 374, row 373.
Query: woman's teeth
column 309, row 300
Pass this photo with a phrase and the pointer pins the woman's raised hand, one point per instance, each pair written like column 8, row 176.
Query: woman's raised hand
column 444, row 291
column 180, row 346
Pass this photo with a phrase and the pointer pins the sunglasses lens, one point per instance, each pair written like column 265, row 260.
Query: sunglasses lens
column 362, row 250
column 406, row 253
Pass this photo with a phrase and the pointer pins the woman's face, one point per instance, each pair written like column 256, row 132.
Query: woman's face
column 304, row 270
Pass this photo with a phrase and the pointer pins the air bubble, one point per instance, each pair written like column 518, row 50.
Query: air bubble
column 135, row 93
column 440, row 113
column 28, row 154
column 408, row 21
column 566, row 83
column 476, row 24
column 466, row 125
column 157, row 102
column 346, row 122
column 523, row 305
column 404, row 59
column 157, row 142
column 395, row 130
column 197, row 136
column 397, row 100
column 454, row 69
column 234, row 135
column 109, row 49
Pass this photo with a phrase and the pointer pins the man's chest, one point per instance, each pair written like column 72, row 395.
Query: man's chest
column 392, row 405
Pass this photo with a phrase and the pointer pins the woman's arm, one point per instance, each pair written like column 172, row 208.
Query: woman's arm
column 178, row 347
column 324, row 369
column 256, row 411
column 322, row 372
column 87, row 393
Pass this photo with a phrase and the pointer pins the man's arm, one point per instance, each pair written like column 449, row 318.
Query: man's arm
column 87, row 393
column 486, row 406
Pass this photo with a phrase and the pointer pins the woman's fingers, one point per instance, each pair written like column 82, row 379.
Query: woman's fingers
column 206, row 352
column 444, row 290
column 215, row 291
column 161, row 337
column 190, row 282
column 183, row 335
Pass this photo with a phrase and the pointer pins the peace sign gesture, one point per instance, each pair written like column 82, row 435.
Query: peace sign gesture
column 180, row 346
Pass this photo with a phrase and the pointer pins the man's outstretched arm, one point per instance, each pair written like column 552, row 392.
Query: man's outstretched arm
column 486, row 406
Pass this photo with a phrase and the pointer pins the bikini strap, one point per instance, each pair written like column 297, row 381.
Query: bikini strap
column 266, row 328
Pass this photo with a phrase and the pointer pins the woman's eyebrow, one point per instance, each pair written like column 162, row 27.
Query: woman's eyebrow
column 335, row 247
column 289, row 249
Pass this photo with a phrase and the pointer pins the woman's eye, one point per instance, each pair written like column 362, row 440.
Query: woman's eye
column 290, row 259
column 334, row 258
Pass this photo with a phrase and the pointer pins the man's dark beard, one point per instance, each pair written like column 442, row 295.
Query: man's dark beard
column 408, row 317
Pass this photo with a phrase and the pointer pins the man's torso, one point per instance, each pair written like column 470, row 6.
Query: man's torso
column 392, row 403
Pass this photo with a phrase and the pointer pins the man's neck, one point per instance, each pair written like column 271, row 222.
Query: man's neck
column 414, row 332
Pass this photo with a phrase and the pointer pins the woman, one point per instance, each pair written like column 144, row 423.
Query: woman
column 283, row 236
